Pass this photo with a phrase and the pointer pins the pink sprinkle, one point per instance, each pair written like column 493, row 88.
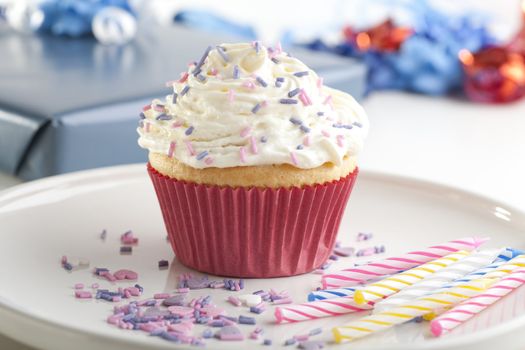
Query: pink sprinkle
column 177, row 124
column 264, row 103
column 172, row 149
column 218, row 285
column 183, row 77
column 63, row 260
column 242, row 154
column 213, row 71
column 278, row 48
column 125, row 275
column 114, row 319
column 159, row 108
column 81, row 294
column 319, row 82
column 146, row 108
column 146, row 127
column 294, row 158
column 95, row 286
column 231, row 95
column 253, row 145
column 79, row 286
column 325, row 133
column 301, row 337
column 161, row 296
column 208, row 161
column 340, row 140
column 190, row 148
column 108, row 276
column 248, row 84
column 234, row 301
column 283, row 301
column 304, row 98
column 183, row 290
column 245, row 131
column 306, row 140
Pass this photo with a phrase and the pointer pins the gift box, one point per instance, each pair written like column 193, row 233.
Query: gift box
column 72, row 104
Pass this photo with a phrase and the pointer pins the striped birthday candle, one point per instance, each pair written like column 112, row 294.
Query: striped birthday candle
column 377, row 269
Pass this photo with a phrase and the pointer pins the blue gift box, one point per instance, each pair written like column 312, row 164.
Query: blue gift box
column 72, row 104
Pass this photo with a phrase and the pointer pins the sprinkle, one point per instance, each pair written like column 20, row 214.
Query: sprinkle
column 82, row 294
column 359, row 125
column 364, row 236
column 275, row 60
column 306, row 140
column 320, row 114
column 319, row 82
column 304, row 98
column 305, row 129
column 161, row 296
column 236, row 73
column 146, row 127
column 201, row 61
column 256, row 310
column 234, row 301
column 146, row 108
column 142, row 115
column 242, row 154
column 294, row 158
column 248, row 85
column 79, row 286
column 253, row 145
column 282, row 301
column 340, row 140
column 95, row 286
column 174, row 98
column 202, row 155
column 280, row 79
column 189, row 130
column 159, row 108
column 256, row 108
column 223, row 54
column 103, row 235
column 299, row 147
column 190, row 148
column 177, row 124
column 185, row 90
column 126, row 250
column 171, row 149
column 267, row 342
column 163, row 264
column 231, row 95
column 301, row 337
column 290, row 341
column 264, row 139
column 315, row 331
column 301, row 74
column 296, row 121
column 208, row 161
column 183, row 77
column 245, row 131
column 288, row 101
column 163, row 116
column 325, row 133
column 294, row 92
column 201, row 77
column 246, row 320
column 257, row 46
column 261, row 81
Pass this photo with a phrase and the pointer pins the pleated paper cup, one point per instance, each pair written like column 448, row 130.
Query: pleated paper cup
column 252, row 232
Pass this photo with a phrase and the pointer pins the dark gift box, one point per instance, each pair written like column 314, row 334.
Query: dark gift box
column 72, row 104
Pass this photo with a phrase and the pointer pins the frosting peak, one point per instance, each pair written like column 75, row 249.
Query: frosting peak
column 246, row 105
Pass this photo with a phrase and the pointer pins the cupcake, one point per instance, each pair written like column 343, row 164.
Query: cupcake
column 253, row 160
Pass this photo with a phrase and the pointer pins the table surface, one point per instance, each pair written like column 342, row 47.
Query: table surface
column 479, row 148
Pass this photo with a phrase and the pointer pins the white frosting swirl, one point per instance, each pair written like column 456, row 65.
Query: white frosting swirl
column 247, row 105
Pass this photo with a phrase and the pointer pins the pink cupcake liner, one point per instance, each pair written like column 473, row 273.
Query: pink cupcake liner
column 252, row 232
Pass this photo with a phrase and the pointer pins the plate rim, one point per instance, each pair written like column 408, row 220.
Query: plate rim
column 134, row 169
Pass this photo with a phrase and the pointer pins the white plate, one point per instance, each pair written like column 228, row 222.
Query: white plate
column 42, row 220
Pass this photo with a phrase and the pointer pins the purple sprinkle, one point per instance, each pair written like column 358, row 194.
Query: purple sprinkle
column 163, row 116
column 275, row 60
column 257, row 46
column 163, row 264
column 299, row 147
column 201, row 77
column 296, row 121
column 241, row 283
column 185, row 90
column 142, row 116
column 246, row 320
column 201, row 61
column 290, row 341
column 189, row 130
column 174, row 98
column 294, row 92
column 304, row 129
column 223, row 54
column 280, row 79
column 256, row 108
column 301, row 74
column 288, row 101
column 359, row 125
column 197, row 71
column 207, row 334
column 67, row 266
column 236, row 73
column 256, row 310
column 264, row 139
column 201, row 155
column 126, row 250
column 319, row 114
column 103, row 234
column 261, row 82
column 267, row 342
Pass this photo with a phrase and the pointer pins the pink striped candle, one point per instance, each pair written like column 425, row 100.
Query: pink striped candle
column 469, row 308
column 318, row 309
column 388, row 266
